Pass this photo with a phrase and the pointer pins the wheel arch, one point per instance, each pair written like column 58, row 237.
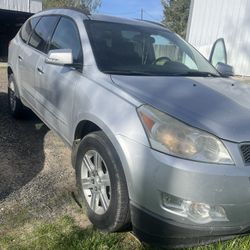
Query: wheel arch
column 87, row 126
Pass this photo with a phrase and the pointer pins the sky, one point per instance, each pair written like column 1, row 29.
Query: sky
column 152, row 9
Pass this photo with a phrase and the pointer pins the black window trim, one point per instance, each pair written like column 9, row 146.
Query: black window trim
column 49, row 42
column 20, row 33
column 42, row 52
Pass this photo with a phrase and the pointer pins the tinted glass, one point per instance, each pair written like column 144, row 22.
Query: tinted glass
column 43, row 32
column 134, row 49
column 66, row 37
column 28, row 27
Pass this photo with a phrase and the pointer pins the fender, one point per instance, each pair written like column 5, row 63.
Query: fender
column 104, row 127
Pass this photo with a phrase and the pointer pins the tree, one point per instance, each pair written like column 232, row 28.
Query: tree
column 176, row 14
column 86, row 5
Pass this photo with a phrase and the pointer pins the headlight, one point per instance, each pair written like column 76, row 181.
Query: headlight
column 173, row 137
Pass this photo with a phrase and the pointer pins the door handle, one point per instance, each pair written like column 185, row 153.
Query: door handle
column 40, row 70
column 20, row 58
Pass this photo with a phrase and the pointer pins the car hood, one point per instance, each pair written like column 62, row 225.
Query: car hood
column 217, row 105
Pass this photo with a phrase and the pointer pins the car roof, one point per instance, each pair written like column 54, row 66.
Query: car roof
column 74, row 12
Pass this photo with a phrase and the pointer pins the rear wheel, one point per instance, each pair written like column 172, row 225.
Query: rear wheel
column 102, row 184
column 15, row 105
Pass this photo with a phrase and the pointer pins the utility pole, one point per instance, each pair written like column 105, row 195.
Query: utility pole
column 141, row 13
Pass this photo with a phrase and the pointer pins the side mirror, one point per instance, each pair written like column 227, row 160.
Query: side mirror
column 218, row 53
column 218, row 58
column 60, row 57
column 225, row 69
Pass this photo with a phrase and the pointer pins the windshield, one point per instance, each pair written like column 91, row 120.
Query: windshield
column 139, row 50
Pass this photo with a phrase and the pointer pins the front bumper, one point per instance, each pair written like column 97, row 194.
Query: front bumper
column 150, row 174
column 159, row 231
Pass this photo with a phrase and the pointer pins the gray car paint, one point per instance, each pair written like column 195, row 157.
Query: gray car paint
column 218, row 105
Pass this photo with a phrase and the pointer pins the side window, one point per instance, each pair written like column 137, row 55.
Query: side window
column 66, row 36
column 189, row 62
column 43, row 32
column 28, row 27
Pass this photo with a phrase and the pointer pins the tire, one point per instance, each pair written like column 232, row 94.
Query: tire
column 16, row 107
column 100, row 175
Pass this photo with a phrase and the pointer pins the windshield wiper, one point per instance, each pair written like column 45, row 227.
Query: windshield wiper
column 140, row 73
column 198, row 73
column 132, row 73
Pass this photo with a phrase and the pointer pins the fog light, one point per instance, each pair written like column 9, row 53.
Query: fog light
column 197, row 212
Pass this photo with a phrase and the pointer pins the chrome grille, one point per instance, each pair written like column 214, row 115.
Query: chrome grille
column 245, row 150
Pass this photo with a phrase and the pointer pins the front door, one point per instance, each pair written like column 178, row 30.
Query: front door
column 57, row 83
column 31, row 54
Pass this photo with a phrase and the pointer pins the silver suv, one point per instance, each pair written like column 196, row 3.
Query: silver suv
column 159, row 138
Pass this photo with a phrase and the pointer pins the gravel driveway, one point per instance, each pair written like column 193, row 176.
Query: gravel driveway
column 36, row 173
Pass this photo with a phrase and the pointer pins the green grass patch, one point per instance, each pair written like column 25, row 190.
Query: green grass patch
column 240, row 243
column 64, row 234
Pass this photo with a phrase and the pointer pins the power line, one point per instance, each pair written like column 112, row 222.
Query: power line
column 121, row 13
column 142, row 12
column 157, row 20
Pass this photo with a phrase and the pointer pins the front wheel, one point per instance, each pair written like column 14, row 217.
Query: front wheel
column 102, row 184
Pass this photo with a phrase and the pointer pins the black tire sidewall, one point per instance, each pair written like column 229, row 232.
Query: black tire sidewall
column 112, row 219
column 19, row 108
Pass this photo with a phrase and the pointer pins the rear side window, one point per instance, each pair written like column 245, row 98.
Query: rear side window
column 66, row 36
column 43, row 32
column 28, row 27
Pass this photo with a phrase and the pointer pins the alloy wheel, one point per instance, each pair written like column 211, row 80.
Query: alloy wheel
column 95, row 181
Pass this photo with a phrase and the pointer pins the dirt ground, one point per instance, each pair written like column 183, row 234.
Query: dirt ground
column 35, row 170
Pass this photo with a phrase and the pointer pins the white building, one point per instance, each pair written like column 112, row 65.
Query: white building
column 13, row 13
column 228, row 19
column 30, row 6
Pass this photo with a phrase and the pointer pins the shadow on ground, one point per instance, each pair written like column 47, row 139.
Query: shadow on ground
column 21, row 149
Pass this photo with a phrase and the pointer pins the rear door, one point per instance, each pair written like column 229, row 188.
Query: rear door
column 25, row 59
column 56, row 87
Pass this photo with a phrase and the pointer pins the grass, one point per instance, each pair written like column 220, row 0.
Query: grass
column 22, row 230
column 65, row 234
